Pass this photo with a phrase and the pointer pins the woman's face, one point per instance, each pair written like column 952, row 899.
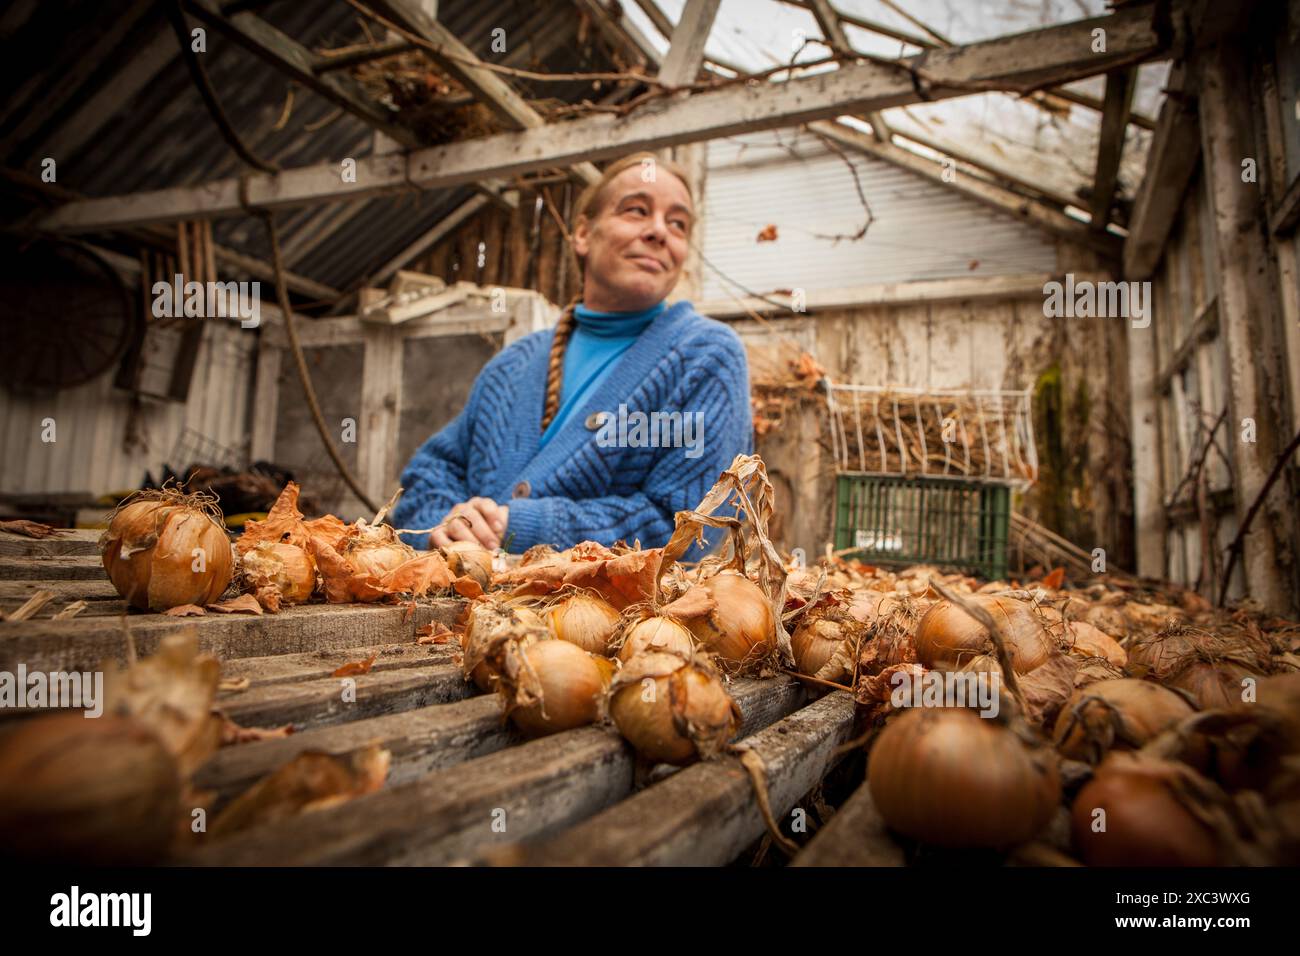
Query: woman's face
column 635, row 247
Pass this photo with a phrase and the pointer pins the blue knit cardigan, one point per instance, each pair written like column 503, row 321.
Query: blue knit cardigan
column 574, row 489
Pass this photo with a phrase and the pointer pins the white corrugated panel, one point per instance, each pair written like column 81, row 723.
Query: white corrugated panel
column 920, row 230
column 90, row 424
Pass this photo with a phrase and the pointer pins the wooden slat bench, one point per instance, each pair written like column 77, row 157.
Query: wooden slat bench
column 456, row 769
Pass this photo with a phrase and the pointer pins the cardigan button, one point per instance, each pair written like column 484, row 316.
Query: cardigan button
column 522, row 490
column 595, row 420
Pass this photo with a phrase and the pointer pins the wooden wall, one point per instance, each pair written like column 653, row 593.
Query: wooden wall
column 520, row 249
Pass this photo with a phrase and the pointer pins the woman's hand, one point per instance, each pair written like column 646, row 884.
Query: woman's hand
column 479, row 519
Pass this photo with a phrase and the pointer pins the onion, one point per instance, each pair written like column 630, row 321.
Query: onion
column 1115, row 713
column 825, row 644
column 101, row 791
column 947, row 777
column 277, row 572
column 376, row 551
column 947, row 636
column 672, row 709
column 1146, row 824
column 1091, row 641
column 656, row 634
column 1212, row 686
column 149, row 550
column 1254, row 756
column 740, row 630
column 590, row 622
column 551, row 685
column 470, row 557
column 490, row 624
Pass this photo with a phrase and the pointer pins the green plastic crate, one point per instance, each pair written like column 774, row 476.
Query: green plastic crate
column 940, row 521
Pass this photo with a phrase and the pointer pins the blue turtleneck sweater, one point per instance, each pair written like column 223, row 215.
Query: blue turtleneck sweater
column 579, row 487
column 594, row 348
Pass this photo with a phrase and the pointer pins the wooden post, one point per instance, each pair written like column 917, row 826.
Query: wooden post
column 517, row 240
column 1248, row 320
column 493, row 241
column 381, row 403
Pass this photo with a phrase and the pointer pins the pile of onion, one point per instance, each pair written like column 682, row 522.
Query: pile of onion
column 673, row 709
column 163, row 549
column 948, row 777
column 278, row 573
column 583, row 619
column 488, row 627
column 740, row 628
column 103, row 791
column 1146, row 817
column 656, row 634
column 1122, row 713
column 551, row 685
column 947, row 637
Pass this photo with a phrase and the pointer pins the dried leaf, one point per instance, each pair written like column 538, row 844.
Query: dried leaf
column 1054, row 579
column 352, row 668
column 621, row 579
column 232, row 733
column 696, row 602
column 234, row 685
column 185, row 610
column 434, row 633
column 310, row 780
column 244, row 604
column 466, row 586
column 32, row 529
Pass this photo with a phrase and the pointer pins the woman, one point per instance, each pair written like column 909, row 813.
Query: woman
column 605, row 426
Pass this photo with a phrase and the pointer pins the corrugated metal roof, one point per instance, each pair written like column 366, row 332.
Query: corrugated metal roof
column 919, row 230
column 165, row 137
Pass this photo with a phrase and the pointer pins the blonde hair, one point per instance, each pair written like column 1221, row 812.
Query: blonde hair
column 591, row 202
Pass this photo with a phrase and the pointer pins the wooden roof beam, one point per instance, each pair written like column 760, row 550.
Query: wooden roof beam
column 829, row 21
column 1110, row 145
column 989, row 194
column 1171, row 161
column 1050, row 55
column 302, row 65
column 926, row 43
column 456, row 58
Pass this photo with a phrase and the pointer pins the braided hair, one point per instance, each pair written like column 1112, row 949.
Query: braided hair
column 589, row 205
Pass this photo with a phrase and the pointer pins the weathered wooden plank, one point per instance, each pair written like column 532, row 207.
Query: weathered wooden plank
column 80, row 644
column 63, row 590
column 855, row 836
column 1172, row 159
column 432, row 818
column 77, row 542
column 295, row 668
column 705, row 814
column 321, row 702
column 1052, row 55
column 63, row 567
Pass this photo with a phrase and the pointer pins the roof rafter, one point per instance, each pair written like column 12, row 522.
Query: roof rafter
column 1110, row 146
column 829, row 21
column 299, row 63
column 1047, row 56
